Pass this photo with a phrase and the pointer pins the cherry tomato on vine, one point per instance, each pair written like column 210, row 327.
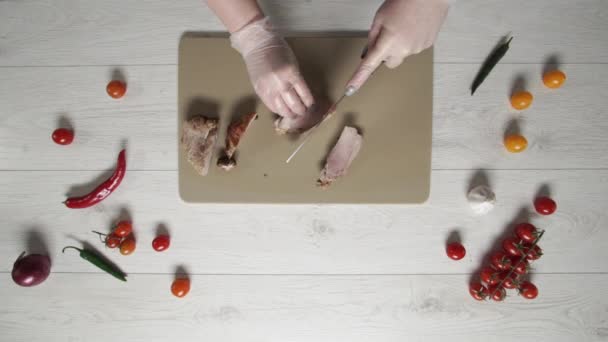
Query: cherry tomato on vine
column 180, row 287
column 63, row 136
column 512, row 247
column 116, row 89
column 123, row 228
column 554, row 79
column 127, row 246
column 510, row 282
column 455, row 251
column 526, row 232
column 545, row 205
column 113, row 241
column 478, row 291
column 161, row 243
column 528, row 290
column 489, row 276
column 497, row 293
column 533, row 253
column 500, row 261
column 520, row 267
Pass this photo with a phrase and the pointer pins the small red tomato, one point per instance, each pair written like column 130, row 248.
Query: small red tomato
column 545, row 205
column 63, row 136
column 500, row 261
column 528, row 290
column 116, row 89
column 113, row 241
column 478, row 291
column 455, row 251
column 161, row 242
column 127, row 246
column 512, row 247
column 510, row 282
column 123, row 228
column 520, row 267
column 533, row 253
column 526, row 232
column 489, row 276
column 497, row 293
column 180, row 287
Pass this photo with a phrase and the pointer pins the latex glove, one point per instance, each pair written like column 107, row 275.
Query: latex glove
column 400, row 28
column 272, row 68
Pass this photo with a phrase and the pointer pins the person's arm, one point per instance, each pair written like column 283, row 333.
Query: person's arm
column 272, row 66
column 235, row 14
column 401, row 28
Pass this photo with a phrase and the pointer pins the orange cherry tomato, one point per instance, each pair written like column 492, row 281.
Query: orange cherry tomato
column 521, row 100
column 123, row 229
column 554, row 79
column 127, row 246
column 180, row 287
column 515, row 143
column 116, row 89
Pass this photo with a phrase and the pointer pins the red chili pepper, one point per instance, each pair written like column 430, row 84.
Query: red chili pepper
column 103, row 190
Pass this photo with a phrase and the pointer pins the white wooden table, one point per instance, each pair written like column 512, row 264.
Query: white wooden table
column 300, row 273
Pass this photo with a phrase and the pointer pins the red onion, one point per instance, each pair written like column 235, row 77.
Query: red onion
column 31, row 270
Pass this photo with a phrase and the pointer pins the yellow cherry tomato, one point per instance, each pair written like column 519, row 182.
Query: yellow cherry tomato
column 554, row 79
column 515, row 143
column 127, row 246
column 521, row 100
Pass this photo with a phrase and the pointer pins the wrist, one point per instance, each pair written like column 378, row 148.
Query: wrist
column 255, row 35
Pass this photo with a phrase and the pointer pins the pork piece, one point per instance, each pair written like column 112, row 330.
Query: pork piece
column 341, row 156
column 302, row 123
column 235, row 133
column 199, row 135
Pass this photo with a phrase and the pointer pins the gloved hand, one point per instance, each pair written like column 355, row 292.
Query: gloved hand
column 400, row 28
column 272, row 68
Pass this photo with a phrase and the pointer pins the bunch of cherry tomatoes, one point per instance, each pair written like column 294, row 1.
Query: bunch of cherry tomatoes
column 122, row 237
column 521, row 100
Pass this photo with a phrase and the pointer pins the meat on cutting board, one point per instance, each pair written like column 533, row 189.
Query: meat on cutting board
column 199, row 135
column 341, row 156
column 301, row 123
column 236, row 131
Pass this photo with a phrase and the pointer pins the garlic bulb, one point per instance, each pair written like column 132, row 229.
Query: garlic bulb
column 482, row 199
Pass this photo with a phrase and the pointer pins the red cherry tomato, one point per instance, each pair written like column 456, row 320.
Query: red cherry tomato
column 497, row 293
column 520, row 267
column 180, row 287
column 127, row 246
column 545, row 205
column 116, row 89
column 500, row 261
column 123, row 228
column 512, row 247
column 533, row 253
column 489, row 276
column 528, row 290
column 478, row 291
column 526, row 232
column 63, row 136
column 455, row 251
column 161, row 242
column 113, row 241
column 510, row 282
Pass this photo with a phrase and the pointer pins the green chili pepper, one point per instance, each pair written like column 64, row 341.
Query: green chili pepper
column 489, row 64
column 99, row 261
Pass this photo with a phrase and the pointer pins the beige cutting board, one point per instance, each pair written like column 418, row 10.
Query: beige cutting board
column 393, row 111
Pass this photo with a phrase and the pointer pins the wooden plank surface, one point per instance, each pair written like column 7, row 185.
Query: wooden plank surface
column 68, row 32
column 305, row 239
column 87, row 307
column 566, row 128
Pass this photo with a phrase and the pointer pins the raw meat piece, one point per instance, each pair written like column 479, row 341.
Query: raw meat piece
column 302, row 123
column 235, row 133
column 199, row 135
column 341, row 156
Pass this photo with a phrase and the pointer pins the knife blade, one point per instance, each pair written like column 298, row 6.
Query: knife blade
column 349, row 92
